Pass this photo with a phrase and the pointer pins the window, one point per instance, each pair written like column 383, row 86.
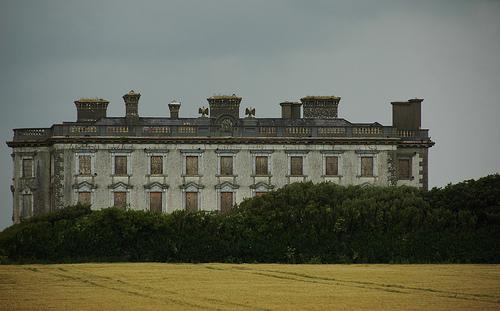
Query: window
column 27, row 206
column 296, row 166
column 366, row 166
column 226, row 201
column 191, row 201
column 259, row 193
column 191, row 165
column 84, row 165
column 84, row 197
column 226, row 165
column 156, row 165
column 404, row 168
column 120, row 199
column 155, row 201
column 27, row 167
column 331, row 166
column 261, row 166
column 121, row 165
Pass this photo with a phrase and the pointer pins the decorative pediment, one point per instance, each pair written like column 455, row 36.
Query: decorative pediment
column 156, row 186
column 262, row 186
column 191, row 186
column 84, row 186
column 27, row 190
column 120, row 186
column 227, row 186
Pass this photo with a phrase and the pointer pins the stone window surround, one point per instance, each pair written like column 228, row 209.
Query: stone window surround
column 225, row 153
column 25, row 191
column 160, row 153
column 33, row 167
column 261, row 187
column 367, row 153
column 121, row 152
column 334, row 153
column 157, row 188
column 85, row 187
column 192, row 187
column 410, row 156
column 297, row 153
column 90, row 153
column 225, row 187
column 195, row 153
column 120, row 187
column 261, row 153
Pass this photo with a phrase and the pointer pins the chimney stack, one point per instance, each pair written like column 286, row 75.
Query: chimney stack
column 91, row 109
column 320, row 107
column 222, row 105
column 174, row 108
column 407, row 115
column 131, row 105
column 290, row 110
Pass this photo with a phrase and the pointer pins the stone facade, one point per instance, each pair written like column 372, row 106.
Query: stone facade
column 210, row 162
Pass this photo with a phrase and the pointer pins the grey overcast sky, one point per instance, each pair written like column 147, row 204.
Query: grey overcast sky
column 367, row 52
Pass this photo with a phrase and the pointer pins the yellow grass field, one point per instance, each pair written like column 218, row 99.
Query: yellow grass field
column 146, row 286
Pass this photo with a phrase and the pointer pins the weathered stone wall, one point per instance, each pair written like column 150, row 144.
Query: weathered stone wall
column 66, row 182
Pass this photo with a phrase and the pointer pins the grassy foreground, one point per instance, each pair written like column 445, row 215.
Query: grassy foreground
column 150, row 286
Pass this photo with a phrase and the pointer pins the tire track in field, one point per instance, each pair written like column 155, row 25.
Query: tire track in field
column 64, row 274
column 302, row 277
column 154, row 290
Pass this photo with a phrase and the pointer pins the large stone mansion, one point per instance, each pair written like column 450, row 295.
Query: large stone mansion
column 210, row 162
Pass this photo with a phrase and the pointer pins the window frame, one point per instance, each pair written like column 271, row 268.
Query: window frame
column 26, row 192
column 157, row 153
column 192, row 187
column 77, row 162
column 261, row 153
column 225, row 187
column 22, row 173
column 226, row 153
column 194, row 153
column 297, row 153
column 128, row 155
column 84, row 187
column 410, row 168
column 156, row 187
column 368, row 154
column 332, row 153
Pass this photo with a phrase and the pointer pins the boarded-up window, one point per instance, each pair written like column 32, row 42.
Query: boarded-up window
column 192, row 201
column 332, row 166
column 156, row 165
column 120, row 199
column 404, row 168
column 84, row 197
column 366, row 166
column 121, row 165
column 296, row 166
column 259, row 193
column 27, row 167
column 261, row 167
column 155, row 202
column 226, row 166
column 226, row 201
column 84, row 165
column 191, row 165
column 27, row 206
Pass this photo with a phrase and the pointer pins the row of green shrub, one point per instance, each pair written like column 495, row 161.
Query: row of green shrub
column 300, row 223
